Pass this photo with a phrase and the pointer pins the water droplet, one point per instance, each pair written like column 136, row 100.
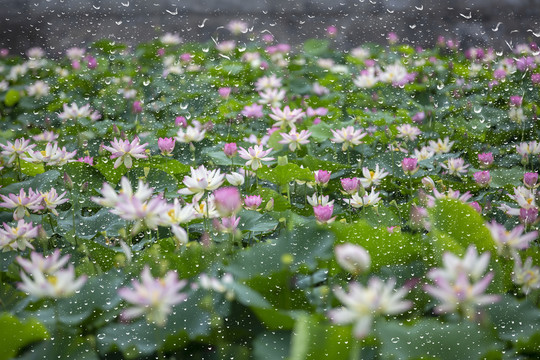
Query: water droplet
column 175, row 12
column 204, row 22
column 535, row 34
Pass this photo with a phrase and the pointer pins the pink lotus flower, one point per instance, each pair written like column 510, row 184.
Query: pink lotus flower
column 267, row 38
column 111, row 198
column 526, row 275
column 530, row 179
column 137, row 107
column 166, row 145
column 53, row 155
column 516, row 100
column 419, row 217
column 368, row 199
column 363, row 304
column 153, row 297
column 180, row 121
column 92, row 62
column 273, row 97
column 253, row 111
column 350, row 185
column 352, row 258
column 323, row 214
column 476, row 206
column 528, row 216
column 16, row 149
column 295, row 139
column 441, row 146
column 348, row 136
column 22, row 203
column 51, row 199
column 485, row 159
column 191, row 133
column 372, row 178
column 46, row 277
column 224, row 92
column 227, row 201
column 228, row 225
column 237, row 27
column 323, row 200
column 410, row 166
column 268, row 82
column 418, row 117
column 461, row 294
column 322, row 177
column 230, row 149
column 392, row 37
column 226, row 46
column 151, row 213
column 510, row 240
column 252, row 202
column 87, row 160
column 186, row 57
column 124, row 151
column 459, row 285
column 456, row 166
column 499, row 74
column 482, row 178
column 17, row 237
column 450, row 194
column 408, row 132
column 44, row 264
column 321, row 111
column 255, row 155
column 331, row 30
column 201, row 180
column 286, row 117
column 47, row 136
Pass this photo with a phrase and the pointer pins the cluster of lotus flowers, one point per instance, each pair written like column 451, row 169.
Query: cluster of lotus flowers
column 459, row 286
column 218, row 197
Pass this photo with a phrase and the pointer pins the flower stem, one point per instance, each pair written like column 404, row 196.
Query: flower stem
column 350, row 209
column 393, row 164
column 194, row 158
column 256, row 181
column 51, row 223
column 19, row 174
column 74, row 202
column 356, row 350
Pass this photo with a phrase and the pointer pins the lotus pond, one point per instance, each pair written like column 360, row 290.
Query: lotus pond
column 245, row 199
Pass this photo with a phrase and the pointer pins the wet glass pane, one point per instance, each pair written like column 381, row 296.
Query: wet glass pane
column 225, row 179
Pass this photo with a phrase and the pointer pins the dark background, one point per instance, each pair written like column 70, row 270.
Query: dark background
column 59, row 24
